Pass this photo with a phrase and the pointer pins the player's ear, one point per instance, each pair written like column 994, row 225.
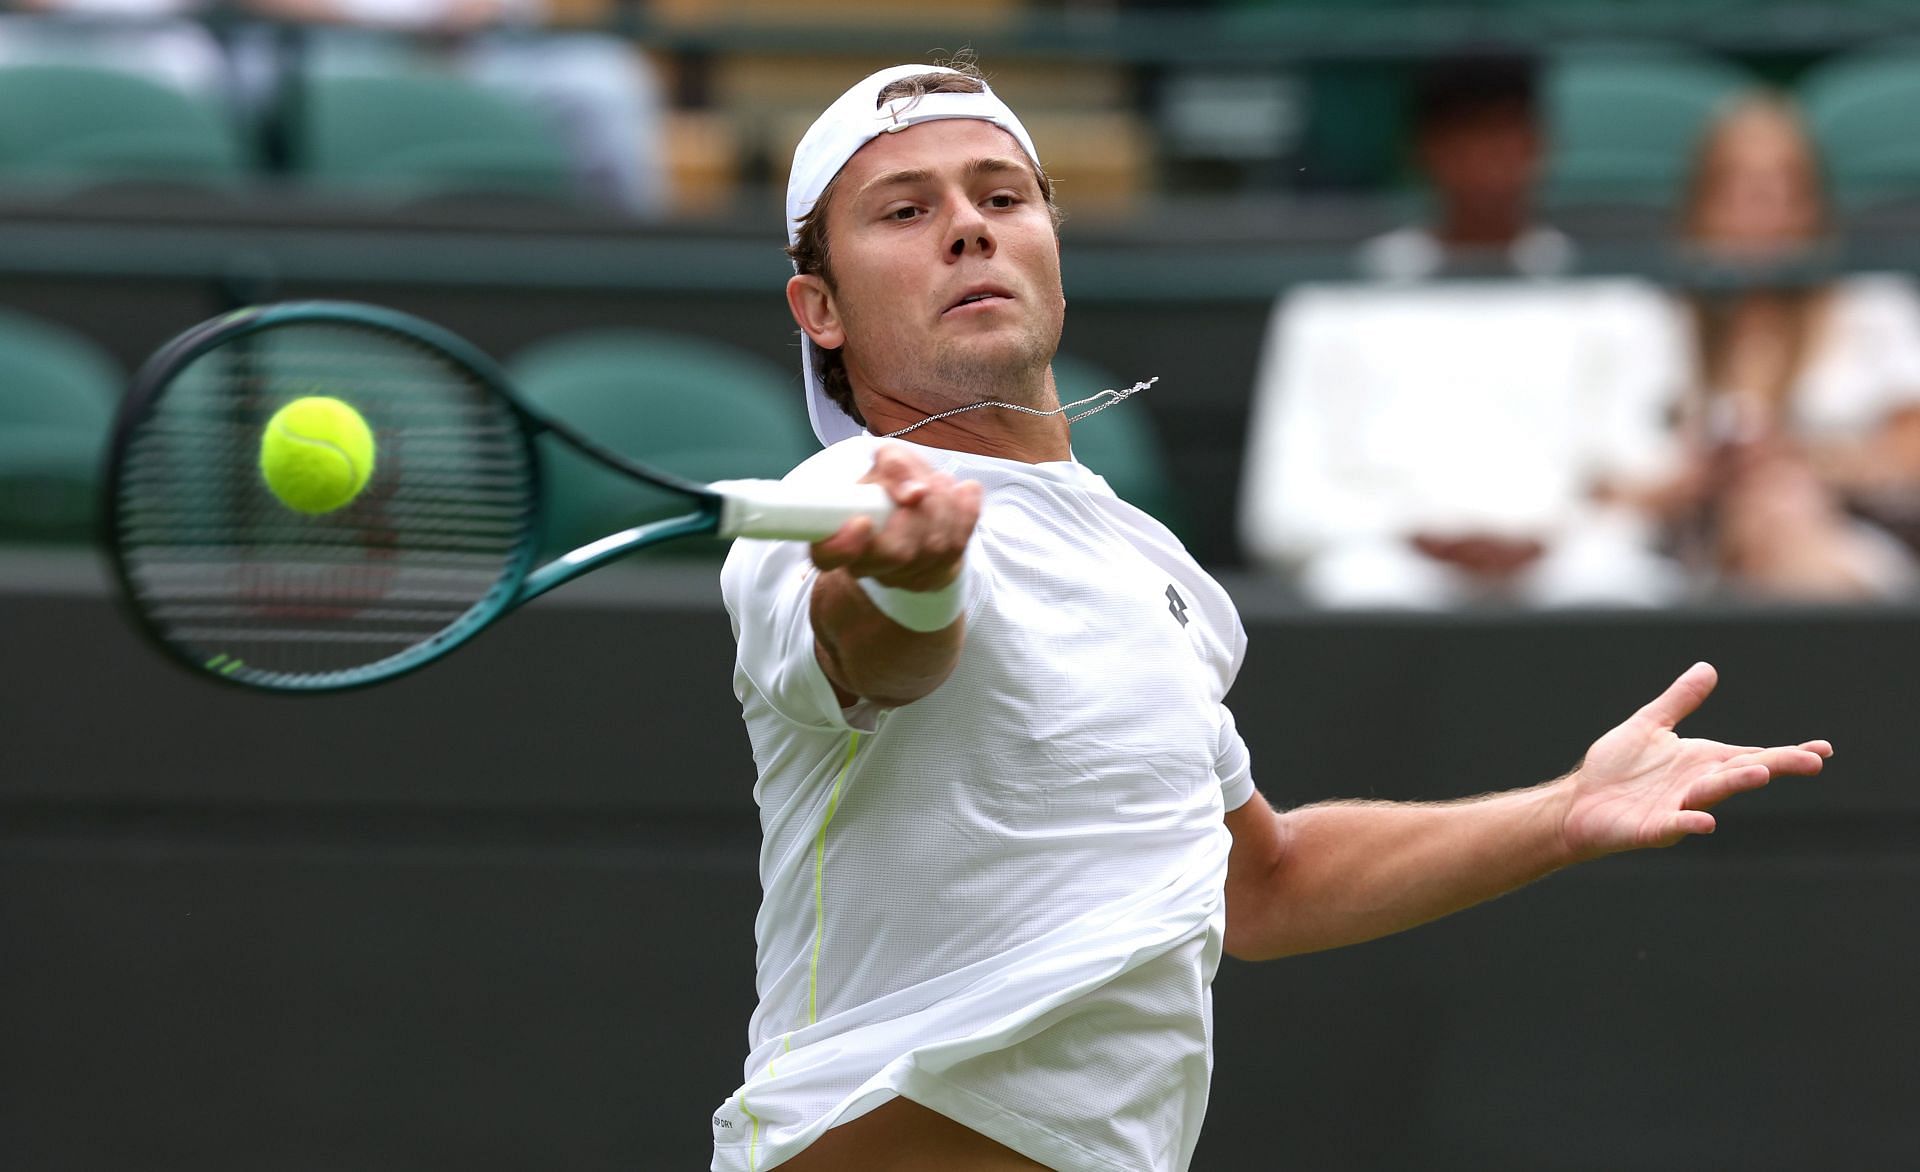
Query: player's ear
column 813, row 309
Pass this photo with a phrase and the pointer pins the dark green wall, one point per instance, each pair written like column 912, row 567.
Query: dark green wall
column 498, row 915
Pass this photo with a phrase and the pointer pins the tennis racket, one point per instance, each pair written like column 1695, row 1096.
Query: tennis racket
column 440, row 543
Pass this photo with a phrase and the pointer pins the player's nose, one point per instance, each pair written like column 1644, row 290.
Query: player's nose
column 969, row 232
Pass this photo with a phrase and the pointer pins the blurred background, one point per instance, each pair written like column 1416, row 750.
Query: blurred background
column 1513, row 354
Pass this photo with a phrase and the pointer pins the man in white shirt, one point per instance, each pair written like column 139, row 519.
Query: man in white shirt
column 1448, row 443
column 1010, row 826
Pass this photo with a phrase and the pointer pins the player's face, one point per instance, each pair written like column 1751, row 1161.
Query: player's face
column 946, row 266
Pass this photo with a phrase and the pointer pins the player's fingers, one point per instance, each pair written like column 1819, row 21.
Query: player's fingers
column 896, row 546
column 847, row 545
column 970, row 494
column 1685, row 822
column 904, row 475
column 1682, row 696
column 930, row 533
column 1783, row 760
column 1822, row 748
column 1718, row 787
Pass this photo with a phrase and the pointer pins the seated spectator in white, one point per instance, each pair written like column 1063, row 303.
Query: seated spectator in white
column 1806, row 405
column 1435, row 443
column 1455, row 443
column 155, row 39
column 1479, row 144
column 598, row 90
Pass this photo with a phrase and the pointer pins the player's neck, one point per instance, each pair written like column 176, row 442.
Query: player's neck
column 982, row 430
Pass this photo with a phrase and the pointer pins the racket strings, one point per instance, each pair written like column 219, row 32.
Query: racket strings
column 240, row 583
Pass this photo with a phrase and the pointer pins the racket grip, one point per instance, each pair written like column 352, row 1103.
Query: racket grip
column 796, row 512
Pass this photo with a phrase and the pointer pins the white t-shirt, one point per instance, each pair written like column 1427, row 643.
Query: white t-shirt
column 1455, row 407
column 1004, row 901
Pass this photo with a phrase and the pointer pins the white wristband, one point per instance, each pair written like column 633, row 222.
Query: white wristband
column 916, row 610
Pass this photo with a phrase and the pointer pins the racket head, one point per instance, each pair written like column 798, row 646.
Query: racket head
column 239, row 588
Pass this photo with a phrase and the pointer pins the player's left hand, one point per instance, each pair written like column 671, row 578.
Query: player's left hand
column 1642, row 785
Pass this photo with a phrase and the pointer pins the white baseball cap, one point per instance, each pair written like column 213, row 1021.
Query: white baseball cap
column 855, row 119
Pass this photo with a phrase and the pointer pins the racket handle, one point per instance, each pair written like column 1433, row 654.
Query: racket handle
column 797, row 512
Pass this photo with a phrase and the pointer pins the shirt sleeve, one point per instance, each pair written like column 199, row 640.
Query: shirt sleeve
column 768, row 588
column 1894, row 312
column 1232, row 764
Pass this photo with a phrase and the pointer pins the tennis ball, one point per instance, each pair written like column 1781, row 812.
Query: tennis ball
column 316, row 454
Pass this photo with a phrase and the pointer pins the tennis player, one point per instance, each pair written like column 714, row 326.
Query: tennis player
column 1009, row 824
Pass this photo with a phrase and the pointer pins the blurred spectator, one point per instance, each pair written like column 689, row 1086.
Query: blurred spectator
column 1807, row 401
column 1436, row 443
column 1450, row 443
column 1478, row 142
column 600, row 93
column 155, row 39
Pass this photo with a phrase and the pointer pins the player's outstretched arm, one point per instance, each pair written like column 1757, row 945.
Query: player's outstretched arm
column 1343, row 872
column 921, row 551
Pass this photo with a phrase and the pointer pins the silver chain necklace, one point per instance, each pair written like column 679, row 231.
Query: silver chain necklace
column 1110, row 396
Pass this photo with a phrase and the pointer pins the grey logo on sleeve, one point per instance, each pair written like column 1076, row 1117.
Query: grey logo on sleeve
column 1176, row 604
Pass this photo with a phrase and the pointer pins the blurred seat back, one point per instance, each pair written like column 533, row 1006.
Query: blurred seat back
column 1864, row 112
column 75, row 125
column 1623, row 126
column 1120, row 443
column 698, row 408
column 57, row 392
column 420, row 135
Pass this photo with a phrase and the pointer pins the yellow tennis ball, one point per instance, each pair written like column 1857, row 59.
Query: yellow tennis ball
column 316, row 454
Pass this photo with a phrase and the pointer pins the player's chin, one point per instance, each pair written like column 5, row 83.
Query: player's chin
column 1010, row 340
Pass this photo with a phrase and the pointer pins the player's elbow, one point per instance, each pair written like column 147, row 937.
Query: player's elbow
column 897, row 696
column 893, row 680
column 1251, row 934
column 1257, row 910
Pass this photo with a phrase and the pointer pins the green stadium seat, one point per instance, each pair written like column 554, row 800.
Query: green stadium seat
column 687, row 405
column 49, row 484
column 1120, row 443
column 1862, row 111
column 70, row 125
column 53, row 377
column 57, row 392
column 1623, row 126
column 417, row 136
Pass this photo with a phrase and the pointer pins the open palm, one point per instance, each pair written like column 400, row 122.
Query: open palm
column 1642, row 785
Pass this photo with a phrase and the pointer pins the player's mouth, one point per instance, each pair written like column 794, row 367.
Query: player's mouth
column 974, row 297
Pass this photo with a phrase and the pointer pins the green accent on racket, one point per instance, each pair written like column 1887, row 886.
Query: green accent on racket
column 440, row 543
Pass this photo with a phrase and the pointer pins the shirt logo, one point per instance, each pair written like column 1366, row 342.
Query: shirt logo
column 1176, row 604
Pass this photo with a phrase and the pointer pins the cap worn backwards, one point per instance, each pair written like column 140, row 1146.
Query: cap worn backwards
column 849, row 124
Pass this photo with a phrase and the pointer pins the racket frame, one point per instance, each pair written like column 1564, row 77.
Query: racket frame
column 519, row 581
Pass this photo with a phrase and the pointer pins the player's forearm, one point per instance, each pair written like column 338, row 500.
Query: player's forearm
column 1354, row 871
column 867, row 655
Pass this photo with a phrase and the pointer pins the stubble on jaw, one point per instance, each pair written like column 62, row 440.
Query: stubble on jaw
column 963, row 370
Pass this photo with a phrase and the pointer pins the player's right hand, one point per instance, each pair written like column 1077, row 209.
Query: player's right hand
column 924, row 541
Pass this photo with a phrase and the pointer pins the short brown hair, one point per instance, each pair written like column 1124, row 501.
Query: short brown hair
column 809, row 251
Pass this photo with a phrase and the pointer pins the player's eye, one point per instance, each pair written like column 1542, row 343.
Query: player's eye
column 1003, row 199
column 902, row 213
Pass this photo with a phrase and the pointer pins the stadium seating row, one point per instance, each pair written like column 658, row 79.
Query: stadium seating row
column 1621, row 125
column 683, row 403
column 63, row 126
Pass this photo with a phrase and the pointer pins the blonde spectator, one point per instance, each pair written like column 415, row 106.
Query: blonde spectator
column 1806, row 407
